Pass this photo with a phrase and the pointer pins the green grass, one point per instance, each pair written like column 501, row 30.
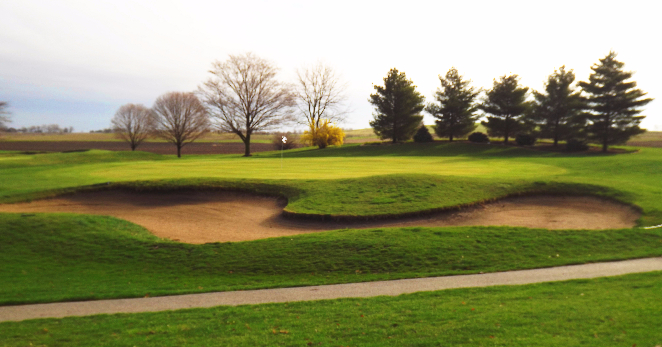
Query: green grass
column 86, row 257
column 412, row 177
column 616, row 311
column 61, row 257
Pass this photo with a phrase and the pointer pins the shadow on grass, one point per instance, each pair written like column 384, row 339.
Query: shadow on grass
column 433, row 149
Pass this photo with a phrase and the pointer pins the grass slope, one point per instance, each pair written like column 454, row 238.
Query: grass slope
column 61, row 257
column 49, row 257
column 421, row 176
column 615, row 311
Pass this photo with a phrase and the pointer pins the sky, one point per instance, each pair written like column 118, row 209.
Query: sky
column 74, row 63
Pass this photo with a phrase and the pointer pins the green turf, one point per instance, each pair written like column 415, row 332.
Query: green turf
column 616, row 311
column 59, row 257
column 418, row 176
column 87, row 257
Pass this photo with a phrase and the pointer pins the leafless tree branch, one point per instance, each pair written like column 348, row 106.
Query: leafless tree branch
column 179, row 118
column 133, row 123
column 243, row 96
column 4, row 114
column 320, row 94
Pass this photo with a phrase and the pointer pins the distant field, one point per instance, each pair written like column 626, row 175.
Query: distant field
column 153, row 147
column 88, row 137
column 648, row 139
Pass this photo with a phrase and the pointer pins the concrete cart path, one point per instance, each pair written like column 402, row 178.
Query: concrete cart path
column 349, row 290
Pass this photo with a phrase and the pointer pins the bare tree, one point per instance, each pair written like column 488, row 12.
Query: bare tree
column 179, row 118
column 132, row 123
column 320, row 94
column 245, row 97
column 4, row 114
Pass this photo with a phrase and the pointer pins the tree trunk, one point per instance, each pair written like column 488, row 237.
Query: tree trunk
column 247, row 145
column 505, row 137
column 556, row 140
column 605, row 139
column 451, row 138
column 179, row 150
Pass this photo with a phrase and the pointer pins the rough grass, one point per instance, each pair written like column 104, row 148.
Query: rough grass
column 62, row 257
column 616, row 311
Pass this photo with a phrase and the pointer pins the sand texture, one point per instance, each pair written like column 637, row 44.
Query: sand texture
column 202, row 217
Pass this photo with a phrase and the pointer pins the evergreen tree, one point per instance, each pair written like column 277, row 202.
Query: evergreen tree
column 423, row 135
column 558, row 111
column 398, row 106
column 507, row 104
column 456, row 108
column 613, row 103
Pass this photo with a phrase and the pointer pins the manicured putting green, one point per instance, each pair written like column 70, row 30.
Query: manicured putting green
column 314, row 168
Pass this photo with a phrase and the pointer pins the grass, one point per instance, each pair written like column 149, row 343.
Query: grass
column 87, row 257
column 616, row 311
column 67, row 257
column 360, row 180
column 61, row 257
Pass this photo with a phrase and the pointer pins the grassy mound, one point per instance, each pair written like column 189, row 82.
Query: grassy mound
column 61, row 257
column 356, row 180
column 49, row 257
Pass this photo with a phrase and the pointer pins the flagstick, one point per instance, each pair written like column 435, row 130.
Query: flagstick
column 283, row 139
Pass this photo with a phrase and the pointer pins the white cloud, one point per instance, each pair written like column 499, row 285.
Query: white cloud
column 127, row 51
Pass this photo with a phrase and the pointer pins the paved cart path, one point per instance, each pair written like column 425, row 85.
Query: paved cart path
column 349, row 290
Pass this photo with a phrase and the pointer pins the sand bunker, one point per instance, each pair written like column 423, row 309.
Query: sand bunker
column 201, row 217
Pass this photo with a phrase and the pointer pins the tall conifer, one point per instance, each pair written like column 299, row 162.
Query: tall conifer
column 398, row 106
column 506, row 103
column 558, row 110
column 455, row 112
column 613, row 103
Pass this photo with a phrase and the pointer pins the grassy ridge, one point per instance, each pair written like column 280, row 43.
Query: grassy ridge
column 60, row 257
column 88, row 257
column 616, row 311
column 335, row 181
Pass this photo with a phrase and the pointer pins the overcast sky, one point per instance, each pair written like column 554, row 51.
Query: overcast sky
column 75, row 62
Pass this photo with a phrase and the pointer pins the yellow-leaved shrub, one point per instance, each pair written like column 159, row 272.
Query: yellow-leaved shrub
column 327, row 134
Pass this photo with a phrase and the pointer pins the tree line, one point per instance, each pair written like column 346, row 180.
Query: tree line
column 40, row 129
column 603, row 110
column 243, row 96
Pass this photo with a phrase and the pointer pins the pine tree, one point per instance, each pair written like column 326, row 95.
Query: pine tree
column 507, row 104
column 398, row 106
column 558, row 110
column 613, row 103
column 456, row 108
column 423, row 135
